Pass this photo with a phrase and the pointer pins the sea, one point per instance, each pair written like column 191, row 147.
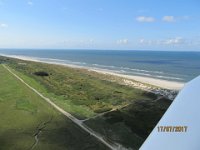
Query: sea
column 166, row 65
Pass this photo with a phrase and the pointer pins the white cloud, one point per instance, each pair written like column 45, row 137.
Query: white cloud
column 122, row 41
column 141, row 41
column 164, row 18
column 30, row 3
column 3, row 25
column 169, row 19
column 172, row 41
column 145, row 19
column 146, row 42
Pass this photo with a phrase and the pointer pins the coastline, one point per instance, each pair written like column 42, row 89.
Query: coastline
column 87, row 93
column 171, row 85
column 164, row 88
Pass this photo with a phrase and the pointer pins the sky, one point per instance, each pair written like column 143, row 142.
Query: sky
column 101, row 24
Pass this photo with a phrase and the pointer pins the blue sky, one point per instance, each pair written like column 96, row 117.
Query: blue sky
column 100, row 24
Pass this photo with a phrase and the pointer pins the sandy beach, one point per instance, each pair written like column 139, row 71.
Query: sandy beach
column 171, row 85
column 152, row 81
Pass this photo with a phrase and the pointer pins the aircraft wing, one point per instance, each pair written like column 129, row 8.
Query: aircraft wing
column 179, row 128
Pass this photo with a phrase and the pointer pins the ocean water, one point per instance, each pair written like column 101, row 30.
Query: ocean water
column 173, row 66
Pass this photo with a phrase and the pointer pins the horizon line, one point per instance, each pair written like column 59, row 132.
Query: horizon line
column 89, row 49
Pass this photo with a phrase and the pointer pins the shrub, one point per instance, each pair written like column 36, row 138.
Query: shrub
column 41, row 73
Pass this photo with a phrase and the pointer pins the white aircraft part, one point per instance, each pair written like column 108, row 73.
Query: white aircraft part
column 184, row 111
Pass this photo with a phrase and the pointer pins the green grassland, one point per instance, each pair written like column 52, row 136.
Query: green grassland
column 131, row 125
column 76, row 90
column 23, row 113
column 86, row 94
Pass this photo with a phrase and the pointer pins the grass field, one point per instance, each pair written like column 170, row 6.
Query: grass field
column 77, row 90
column 86, row 94
column 23, row 114
column 131, row 125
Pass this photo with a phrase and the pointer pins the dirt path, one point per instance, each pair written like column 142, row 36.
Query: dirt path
column 101, row 114
column 113, row 146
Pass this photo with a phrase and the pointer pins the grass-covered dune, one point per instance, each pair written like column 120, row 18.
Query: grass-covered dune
column 130, row 125
column 25, row 116
column 120, row 113
column 77, row 90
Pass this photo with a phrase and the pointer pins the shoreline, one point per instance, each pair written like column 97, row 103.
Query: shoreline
column 159, row 83
column 170, row 85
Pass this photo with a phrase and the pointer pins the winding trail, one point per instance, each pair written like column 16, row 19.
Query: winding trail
column 101, row 114
column 112, row 146
column 40, row 128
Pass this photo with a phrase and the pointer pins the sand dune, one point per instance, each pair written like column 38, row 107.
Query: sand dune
column 172, row 85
